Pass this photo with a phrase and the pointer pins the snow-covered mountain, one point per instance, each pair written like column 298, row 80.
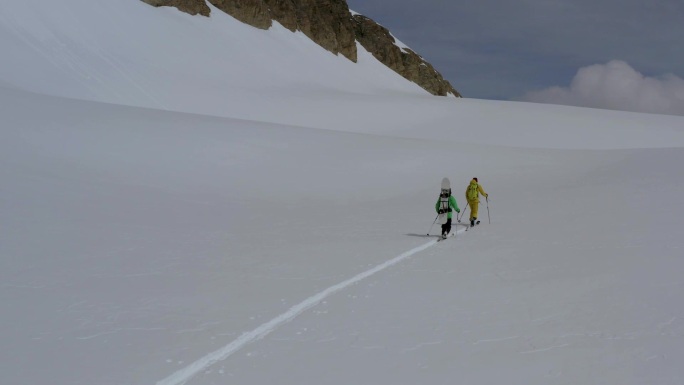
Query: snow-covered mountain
column 175, row 213
column 332, row 25
column 134, row 54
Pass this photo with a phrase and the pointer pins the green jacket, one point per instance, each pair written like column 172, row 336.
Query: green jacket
column 452, row 204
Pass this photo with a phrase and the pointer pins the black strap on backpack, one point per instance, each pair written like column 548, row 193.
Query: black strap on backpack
column 444, row 206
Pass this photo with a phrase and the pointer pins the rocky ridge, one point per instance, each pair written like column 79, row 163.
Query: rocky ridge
column 331, row 25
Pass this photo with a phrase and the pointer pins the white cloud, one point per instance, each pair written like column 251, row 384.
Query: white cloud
column 617, row 86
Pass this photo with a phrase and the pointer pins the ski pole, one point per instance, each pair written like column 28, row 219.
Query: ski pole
column 462, row 213
column 490, row 219
column 433, row 223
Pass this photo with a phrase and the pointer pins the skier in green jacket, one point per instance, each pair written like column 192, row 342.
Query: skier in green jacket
column 445, row 203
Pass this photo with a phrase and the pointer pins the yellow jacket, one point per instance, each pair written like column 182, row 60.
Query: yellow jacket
column 473, row 192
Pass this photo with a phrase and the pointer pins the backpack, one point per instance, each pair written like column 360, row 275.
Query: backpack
column 444, row 201
column 472, row 193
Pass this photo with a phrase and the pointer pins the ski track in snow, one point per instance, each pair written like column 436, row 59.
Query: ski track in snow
column 183, row 375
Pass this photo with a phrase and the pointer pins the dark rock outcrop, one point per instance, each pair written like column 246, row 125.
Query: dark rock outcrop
column 331, row 25
column 252, row 12
column 193, row 7
column 327, row 22
column 377, row 40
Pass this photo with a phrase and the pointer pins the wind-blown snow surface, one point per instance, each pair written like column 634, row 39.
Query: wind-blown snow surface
column 282, row 240
column 131, row 53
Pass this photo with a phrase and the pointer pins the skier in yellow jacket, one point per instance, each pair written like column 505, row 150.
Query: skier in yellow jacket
column 473, row 197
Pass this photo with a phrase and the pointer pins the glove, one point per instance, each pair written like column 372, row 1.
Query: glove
column 458, row 210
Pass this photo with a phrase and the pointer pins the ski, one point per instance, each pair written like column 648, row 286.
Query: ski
column 447, row 237
column 470, row 227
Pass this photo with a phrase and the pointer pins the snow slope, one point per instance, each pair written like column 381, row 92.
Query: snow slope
column 134, row 54
column 249, row 237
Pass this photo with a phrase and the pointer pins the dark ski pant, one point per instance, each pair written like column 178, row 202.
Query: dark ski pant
column 446, row 228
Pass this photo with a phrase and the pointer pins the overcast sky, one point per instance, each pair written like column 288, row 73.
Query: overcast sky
column 621, row 54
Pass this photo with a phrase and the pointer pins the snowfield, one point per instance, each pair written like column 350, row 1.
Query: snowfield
column 174, row 213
